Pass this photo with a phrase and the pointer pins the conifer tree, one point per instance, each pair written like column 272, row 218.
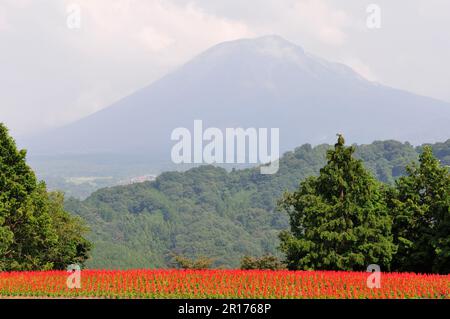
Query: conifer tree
column 421, row 208
column 339, row 220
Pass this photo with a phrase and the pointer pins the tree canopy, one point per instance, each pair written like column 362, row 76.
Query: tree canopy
column 339, row 220
column 35, row 231
column 420, row 204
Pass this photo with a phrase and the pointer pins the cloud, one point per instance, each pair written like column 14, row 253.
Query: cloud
column 121, row 46
column 56, row 74
column 321, row 20
column 153, row 40
column 155, row 25
column 4, row 25
column 361, row 68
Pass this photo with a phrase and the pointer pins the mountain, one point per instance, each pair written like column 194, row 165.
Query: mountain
column 264, row 82
column 211, row 212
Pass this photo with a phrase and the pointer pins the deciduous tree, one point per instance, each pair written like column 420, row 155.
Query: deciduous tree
column 35, row 231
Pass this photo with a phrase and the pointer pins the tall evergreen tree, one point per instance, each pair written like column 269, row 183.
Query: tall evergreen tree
column 420, row 205
column 35, row 232
column 339, row 220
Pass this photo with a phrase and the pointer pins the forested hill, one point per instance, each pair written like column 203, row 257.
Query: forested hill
column 208, row 211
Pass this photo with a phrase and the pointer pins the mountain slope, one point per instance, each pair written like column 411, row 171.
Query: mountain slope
column 209, row 211
column 263, row 82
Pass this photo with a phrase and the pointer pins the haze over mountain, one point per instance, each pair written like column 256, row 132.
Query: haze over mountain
column 264, row 82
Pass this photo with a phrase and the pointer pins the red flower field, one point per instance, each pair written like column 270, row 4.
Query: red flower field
column 221, row 284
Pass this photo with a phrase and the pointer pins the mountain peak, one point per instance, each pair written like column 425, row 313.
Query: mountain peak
column 247, row 51
column 274, row 39
column 269, row 44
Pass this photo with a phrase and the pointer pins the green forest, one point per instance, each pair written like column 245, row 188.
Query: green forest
column 207, row 211
column 328, row 207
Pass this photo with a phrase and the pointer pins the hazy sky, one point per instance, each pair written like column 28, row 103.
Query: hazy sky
column 51, row 74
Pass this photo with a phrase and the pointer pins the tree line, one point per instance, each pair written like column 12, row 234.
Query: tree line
column 344, row 219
